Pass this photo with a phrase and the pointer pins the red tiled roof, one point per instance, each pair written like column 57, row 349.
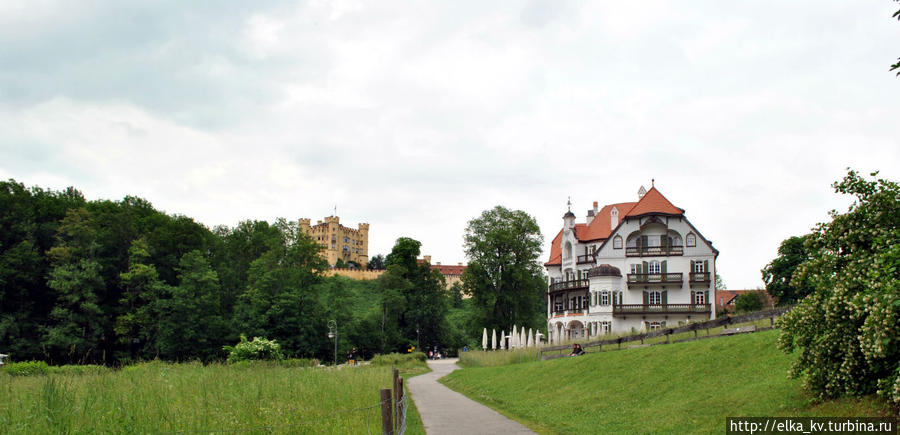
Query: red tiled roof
column 601, row 227
column 449, row 270
column 654, row 202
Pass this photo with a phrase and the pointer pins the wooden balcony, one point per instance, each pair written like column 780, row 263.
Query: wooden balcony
column 575, row 284
column 586, row 258
column 653, row 251
column 625, row 309
column 701, row 278
column 635, row 279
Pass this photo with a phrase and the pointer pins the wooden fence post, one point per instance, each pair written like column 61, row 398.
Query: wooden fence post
column 387, row 426
column 396, row 387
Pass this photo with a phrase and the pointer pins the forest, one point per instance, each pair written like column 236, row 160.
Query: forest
column 114, row 282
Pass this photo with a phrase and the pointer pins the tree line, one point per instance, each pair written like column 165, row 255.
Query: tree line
column 114, row 282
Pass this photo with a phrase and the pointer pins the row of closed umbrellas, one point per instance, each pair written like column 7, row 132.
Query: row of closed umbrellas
column 518, row 338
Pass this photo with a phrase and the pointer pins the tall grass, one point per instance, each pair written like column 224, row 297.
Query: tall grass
column 496, row 358
column 172, row 398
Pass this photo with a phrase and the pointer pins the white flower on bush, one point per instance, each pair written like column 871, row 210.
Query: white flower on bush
column 257, row 349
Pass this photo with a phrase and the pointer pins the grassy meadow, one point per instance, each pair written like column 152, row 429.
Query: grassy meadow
column 175, row 398
column 683, row 387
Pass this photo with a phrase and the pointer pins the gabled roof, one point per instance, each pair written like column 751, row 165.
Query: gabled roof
column 600, row 227
column 654, row 202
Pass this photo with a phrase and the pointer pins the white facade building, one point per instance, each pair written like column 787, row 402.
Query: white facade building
column 633, row 266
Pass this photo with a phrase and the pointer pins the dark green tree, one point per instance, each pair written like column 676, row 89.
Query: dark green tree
column 137, row 328
column 376, row 263
column 848, row 329
column 193, row 322
column 280, row 302
column 77, row 321
column 778, row 273
column 504, row 276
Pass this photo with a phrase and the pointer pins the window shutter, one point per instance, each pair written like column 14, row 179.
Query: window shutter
column 665, row 297
column 663, row 266
column 663, row 240
column 646, row 297
column 692, row 266
column 646, row 268
column 663, row 324
column 692, row 297
column 706, row 267
column 706, row 299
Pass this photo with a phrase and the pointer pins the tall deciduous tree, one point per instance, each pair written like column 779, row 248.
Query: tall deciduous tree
column 504, row 276
column 848, row 329
column 778, row 274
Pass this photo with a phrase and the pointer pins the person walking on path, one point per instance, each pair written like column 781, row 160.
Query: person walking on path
column 445, row 411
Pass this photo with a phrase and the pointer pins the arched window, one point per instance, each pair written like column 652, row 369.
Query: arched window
column 617, row 242
column 568, row 249
column 690, row 240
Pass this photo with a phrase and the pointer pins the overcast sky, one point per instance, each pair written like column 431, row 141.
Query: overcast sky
column 417, row 116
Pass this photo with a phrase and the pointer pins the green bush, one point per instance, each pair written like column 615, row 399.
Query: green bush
column 259, row 349
column 412, row 359
column 26, row 368
column 749, row 302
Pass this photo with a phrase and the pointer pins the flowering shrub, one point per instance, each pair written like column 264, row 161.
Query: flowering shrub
column 258, row 349
column 848, row 330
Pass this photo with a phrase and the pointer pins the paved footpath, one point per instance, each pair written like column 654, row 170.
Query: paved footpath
column 445, row 411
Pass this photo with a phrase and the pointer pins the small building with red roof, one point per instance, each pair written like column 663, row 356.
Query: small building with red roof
column 630, row 266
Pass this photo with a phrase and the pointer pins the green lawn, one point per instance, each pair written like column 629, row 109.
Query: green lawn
column 683, row 387
column 174, row 398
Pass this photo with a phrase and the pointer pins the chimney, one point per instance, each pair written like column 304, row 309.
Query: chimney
column 438, row 263
column 427, row 258
column 595, row 208
column 460, row 264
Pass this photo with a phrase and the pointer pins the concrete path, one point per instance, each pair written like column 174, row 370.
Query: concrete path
column 445, row 411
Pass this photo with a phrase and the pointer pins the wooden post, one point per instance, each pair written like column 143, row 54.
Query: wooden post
column 707, row 332
column 400, row 415
column 396, row 387
column 668, row 337
column 387, row 426
column 772, row 321
column 695, row 333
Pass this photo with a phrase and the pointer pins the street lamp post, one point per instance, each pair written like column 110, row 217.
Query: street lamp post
column 333, row 333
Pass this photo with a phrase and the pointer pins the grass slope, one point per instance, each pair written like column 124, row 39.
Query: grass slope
column 175, row 398
column 684, row 387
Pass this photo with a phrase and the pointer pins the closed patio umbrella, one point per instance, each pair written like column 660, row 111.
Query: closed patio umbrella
column 514, row 340
column 494, row 339
column 484, row 339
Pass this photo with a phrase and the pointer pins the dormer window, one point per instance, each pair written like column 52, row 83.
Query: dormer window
column 617, row 242
column 690, row 240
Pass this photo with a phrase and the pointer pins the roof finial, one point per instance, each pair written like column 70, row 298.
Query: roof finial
column 335, row 210
column 569, row 203
column 652, row 183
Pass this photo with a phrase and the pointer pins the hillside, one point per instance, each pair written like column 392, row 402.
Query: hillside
column 683, row 387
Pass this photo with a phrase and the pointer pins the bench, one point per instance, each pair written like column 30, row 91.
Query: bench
column 739, row 330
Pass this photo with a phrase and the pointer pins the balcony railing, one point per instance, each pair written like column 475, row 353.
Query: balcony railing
column 569, row 285
column 653, row 251
column 654, row 278
column 586, row 258
column 700, row 277
column 660, row 309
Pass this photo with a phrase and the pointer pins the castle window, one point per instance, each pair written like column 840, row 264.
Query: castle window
column 655, row 298
column 698, row 267
column 653, row 326
column 690, row 240
column 604, row 298
column 699, row 297
column 605, row 327
column 617, row 242
column 654, row 267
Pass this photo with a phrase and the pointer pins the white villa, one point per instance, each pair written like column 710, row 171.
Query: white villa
column 631, row 266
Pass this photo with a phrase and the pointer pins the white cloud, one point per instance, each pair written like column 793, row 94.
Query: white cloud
column 416, row 117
